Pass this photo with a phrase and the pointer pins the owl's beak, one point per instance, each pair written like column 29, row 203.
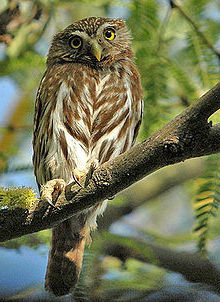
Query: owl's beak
column 96, row 50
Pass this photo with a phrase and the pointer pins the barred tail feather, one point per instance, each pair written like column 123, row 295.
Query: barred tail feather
column 65, row 258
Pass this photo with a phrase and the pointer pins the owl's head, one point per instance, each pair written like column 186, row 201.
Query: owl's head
column 96, row 42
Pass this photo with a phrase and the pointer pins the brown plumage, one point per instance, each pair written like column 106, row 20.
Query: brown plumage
column 88, row 110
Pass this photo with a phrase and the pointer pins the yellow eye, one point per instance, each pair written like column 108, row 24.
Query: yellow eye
column 75, row 42
column 109, row 34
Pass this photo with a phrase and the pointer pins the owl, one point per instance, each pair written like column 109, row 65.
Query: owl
column 88, row 110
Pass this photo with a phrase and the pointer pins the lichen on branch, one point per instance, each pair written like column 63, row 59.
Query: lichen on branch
column 21, row 197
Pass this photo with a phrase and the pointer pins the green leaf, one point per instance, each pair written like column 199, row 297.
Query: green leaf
column 210, row 200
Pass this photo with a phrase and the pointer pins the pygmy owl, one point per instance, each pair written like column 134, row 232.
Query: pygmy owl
column 88, row 111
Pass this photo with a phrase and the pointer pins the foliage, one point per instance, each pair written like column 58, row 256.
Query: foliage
column 20, row 197
column 32, row 240
column 207, row 201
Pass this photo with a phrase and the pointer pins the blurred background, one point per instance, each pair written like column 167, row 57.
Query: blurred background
column 177, row 47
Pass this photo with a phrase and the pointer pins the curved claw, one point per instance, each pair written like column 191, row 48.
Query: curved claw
column 51, row 191
column 77, row 182
column 48, row 200
column 85, row 174
column 111, row 197
column 90, row 173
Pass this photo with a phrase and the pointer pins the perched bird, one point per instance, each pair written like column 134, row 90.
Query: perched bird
column 88, row 110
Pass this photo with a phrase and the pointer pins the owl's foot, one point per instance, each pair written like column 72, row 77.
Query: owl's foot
column 77, row 175
column 51, row 191
column 90, row 172
column 82, row 177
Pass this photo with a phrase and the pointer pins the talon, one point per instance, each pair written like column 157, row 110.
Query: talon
column 87, row 174
column 76, row 179
column 50, row 202
column 90, row 173
column 77, row 175
column 58, row 189
column 51, row 191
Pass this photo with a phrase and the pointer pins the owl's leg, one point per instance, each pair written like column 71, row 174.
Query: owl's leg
column 52, row 190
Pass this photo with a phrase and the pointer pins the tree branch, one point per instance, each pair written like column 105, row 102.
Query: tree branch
column 191, row 266
column 151, row 188
column 187, row 136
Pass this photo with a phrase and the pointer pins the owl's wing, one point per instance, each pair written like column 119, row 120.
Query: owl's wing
column 38, row 107
column 139, row 117
column 39, row 144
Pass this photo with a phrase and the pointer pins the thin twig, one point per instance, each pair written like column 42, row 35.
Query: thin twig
column 197, row 30
column 163, row 28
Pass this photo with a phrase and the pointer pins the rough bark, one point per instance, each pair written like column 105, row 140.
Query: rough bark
column 187, row 136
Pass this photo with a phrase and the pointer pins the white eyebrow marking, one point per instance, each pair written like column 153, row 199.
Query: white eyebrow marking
column 82, row 34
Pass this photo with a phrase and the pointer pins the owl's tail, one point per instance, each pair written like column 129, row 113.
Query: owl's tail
column 65, row 257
